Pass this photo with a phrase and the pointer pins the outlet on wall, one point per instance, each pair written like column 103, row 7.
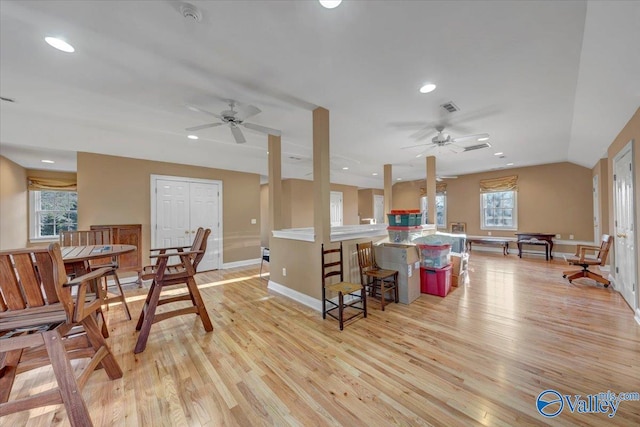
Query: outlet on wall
column 558, row 236
column 570, row 236
column 488, row 233
column 284, row 271
column 254, row 221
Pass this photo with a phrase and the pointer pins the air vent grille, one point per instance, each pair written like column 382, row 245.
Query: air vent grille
column 450, row 107
column 477, row 147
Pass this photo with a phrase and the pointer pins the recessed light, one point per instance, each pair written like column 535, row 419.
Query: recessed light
column 375, row 174
column 419, row 155
column 47, row 161
column 486, row 138
column 498, row 154
column 346, row 168
column 398, row 179
column 509, row 164
column 192, row 136
column 59, row 44
column 330, row 4
column 429, row 87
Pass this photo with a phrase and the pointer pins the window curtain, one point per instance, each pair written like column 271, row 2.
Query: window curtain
column 506, row 183
column 441, row 187
column 55, row 184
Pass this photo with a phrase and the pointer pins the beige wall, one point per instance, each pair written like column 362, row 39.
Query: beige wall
column 116, row 190
column 14, row 218
column 630, row 132
column 554, row 198
column 264, row 215
column 297, row 203
column 602, row 170
column 365, row 201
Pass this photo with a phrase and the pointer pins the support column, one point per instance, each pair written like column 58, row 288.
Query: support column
column 431, row 189
column 388, row 190
column 321, row 176
column 275, row 183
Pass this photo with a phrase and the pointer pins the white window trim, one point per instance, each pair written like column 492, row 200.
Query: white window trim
column 33, row 226
column 515, row 213
column 444, row 216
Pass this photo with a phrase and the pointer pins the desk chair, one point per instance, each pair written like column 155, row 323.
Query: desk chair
column 99, row 237
column 356, row 298
column 265, row 257
column 374, row 277
column 585, row 262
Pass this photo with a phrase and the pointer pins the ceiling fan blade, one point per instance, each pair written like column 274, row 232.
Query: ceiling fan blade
column 249, row 110
column 477, row 136
column 262, row 129
column 455, row 148
column 200, row 110
column 417, row 145
column 237, row 134
column 209, row 125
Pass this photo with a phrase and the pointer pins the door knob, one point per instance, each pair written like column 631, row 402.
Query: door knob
column 186, row 232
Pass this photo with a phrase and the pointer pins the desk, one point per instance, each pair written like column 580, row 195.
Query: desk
column 76, row 257
column 544, row 239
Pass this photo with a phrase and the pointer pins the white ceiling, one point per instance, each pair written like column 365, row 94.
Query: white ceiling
column 549, row 81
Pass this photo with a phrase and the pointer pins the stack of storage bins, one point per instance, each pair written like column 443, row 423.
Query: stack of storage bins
column 435, row 269
column 404, row 226
column 459, row 255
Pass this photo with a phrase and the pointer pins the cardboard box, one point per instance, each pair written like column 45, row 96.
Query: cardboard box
column 459, row 264
column 404, row 259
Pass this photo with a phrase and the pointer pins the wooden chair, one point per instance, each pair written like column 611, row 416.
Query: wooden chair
column 354, row 291
column 42, row 323
column 378, row 280
column 581, row 259
column 99, row 237
column 149, row 271
column 164, row 275
column 265, row 257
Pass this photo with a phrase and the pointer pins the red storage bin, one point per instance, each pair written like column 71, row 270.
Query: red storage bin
column 435, row 281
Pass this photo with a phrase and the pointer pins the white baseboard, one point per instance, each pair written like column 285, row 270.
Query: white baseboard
column 243, row 263
column 296, row 296
column 637, row 316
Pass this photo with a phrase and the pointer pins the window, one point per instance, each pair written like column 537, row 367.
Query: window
column 52, row 212
column 498, row 210
column 441, row 209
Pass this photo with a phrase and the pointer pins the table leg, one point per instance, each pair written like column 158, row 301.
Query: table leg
column 551, row 249
column 519, row 250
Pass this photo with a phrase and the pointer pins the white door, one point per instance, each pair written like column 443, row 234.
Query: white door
column 336, row 208
column 596, row 210
column 181, row 206
column 378, row 208
column 204, row 204
column 624, row 239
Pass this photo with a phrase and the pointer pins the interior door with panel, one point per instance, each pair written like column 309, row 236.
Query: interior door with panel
column 624, row 214
column 336, row 208
column 596, row 210
column 204, row 206
column 378, row 208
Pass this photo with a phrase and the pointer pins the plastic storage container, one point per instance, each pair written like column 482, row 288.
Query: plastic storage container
column 458, row 242
column 404, row 219
column 403, row 234
column 435, row 281
column 434, row 256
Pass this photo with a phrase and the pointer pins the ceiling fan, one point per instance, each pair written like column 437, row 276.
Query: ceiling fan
column 234, row 119
column 441, row 140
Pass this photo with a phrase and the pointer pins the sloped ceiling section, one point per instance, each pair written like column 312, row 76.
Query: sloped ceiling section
column 548, row 81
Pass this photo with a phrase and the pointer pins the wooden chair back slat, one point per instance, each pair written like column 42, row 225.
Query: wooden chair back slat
column 11, row 295
column 45, row 270
column 85, row 237
column 605, row 246
column 331, row 267
column 202, row 246
column 29, row 280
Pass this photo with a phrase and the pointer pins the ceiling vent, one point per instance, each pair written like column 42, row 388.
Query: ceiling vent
column 190, row 12
column 7, row 99
column 450, row 107
column 477, row 147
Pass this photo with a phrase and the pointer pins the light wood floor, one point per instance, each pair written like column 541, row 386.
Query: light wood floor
column 480, row 356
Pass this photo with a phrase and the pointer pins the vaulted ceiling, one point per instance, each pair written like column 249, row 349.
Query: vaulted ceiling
column 548, row 81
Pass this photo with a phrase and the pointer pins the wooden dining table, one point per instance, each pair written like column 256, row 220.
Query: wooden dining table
column 76, row 258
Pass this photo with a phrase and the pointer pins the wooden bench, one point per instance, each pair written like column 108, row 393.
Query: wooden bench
column 494, row 241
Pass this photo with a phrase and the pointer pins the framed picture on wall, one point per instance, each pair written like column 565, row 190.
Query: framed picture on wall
column 458, row 227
